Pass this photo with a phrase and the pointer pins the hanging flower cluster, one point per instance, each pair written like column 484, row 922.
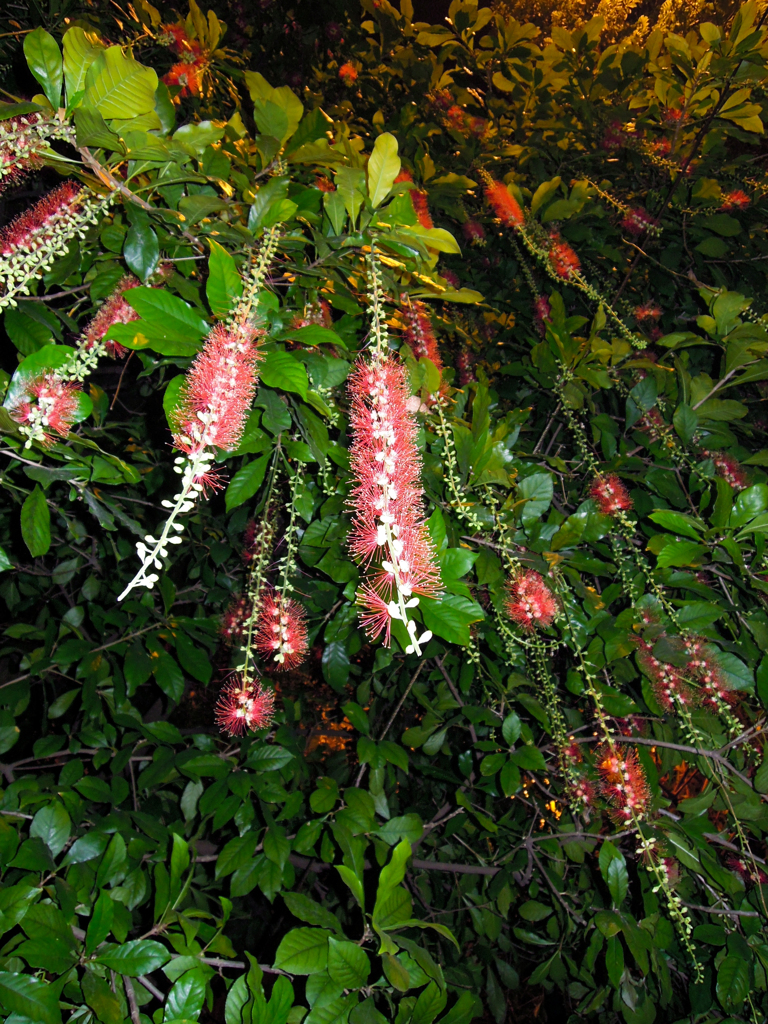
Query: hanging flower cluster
column 245, row 705
column 729, row 469
column 530, row 602
column 318, row 313
column 668, row 685
column 31, row 243
column 48, row 407
column 234, row 621
column 563, row 259
column 610, row 495
column 702, row 667
column 504, row 204
column 211, row 415
column 474, row 232
column 282, row 631
column 187, row 75
column 389, row 535
column 647, row 311
column 419, row 199
column 542, row 314
column 115, row 310
column 623, row 783
column 637, row 221
column 463, row 123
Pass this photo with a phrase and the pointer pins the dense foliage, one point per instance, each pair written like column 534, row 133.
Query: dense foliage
column 384, row 537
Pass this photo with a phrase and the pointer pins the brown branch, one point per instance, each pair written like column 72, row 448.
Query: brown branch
column 455, row 692
column 131, row 996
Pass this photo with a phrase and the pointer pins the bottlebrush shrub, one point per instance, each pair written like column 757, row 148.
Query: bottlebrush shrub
column 552, row 765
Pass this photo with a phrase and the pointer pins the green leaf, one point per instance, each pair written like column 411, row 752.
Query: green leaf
column 303, row 951
column 45, row 62
column 678, row 522
column 613, row 868
column 311, row 912
column 5, row 562
column 224, row 285
column 100, row 924
column 451, row 617
column 118, row 86
column 246, row 482
column 431, row 1001
column 81, row 49
column 185, row 1000
column 383, row 168
column 511, row 728
column 537, row 491
column 353, row 883
column 141, row 251
column 281, row 370
column 685, row 422
column 31, row 998
column 36, row 523
column 277, row 112
column 52, row 824
column 135, row 958
column 348, row 964
column 101, row 999
column 732, row 983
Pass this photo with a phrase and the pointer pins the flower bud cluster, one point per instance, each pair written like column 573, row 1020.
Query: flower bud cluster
column 729, row 469
column 244, row 705
column 389, row 535
column 282, row 630
column 702, row 667
column 31, row 243
column 24, row 141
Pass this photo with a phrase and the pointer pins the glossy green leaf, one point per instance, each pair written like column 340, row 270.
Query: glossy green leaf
column 45, row 62
column 36, row 523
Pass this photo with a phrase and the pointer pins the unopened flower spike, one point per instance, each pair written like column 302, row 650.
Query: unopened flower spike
column 389, row 535
column 214, row 403
column 32, row 243
column 24, row 144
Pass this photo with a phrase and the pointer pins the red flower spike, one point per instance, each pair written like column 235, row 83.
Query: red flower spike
column 49, row 404
column 610, row 494
column 623, row 783
column 21, row 147
column 348, row 74
column 234, row 621
column 421, row 207
column 564, row 260
column 542, row 314
column 637, row 221
column 473, row 231
column 29, row 230
column 582, row 793
column 420, row 338
column 736, row 200
column 648, row 311
column 189, row 76
column 115, row 310
column 243, row 706
column 504, row 205
column 281, row 633
column 703, row 668
column 729, row 469
column 653, row 424
column 668, row 685
column 324, row 183
column 748, row 872
column 388, row 527
column 218, row 391
column 530, row 602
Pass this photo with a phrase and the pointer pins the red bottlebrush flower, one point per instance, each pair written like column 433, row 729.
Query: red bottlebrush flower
column 673, row 116
column 375, row 616
column 610, row 494
column 530, row 602
column 421, row 207
column 637, row 221
column 442, row 99
column 324, row 184
column 542, row 314
column 388, row 526
column 49, row 404
column 234, row 621
column 218, row 391
column 702, row 667
column 455, row 118
column 403, row 175
column 282, row 631
column 418, row 333
column 563, row 259
column 348, row 74
column 668, row 685
column 188, row 76
column 115, row 310
column 245, row 705
column 582, row 793
column 748, row 872
column 652, row 424
column 451, row 278
column 615, row 137
column 660, row 147
column 623, row 783
column 175, row 38
column 736, row 200
column 648, row 311
column 504, row 205
column 729, row 469
column 473, row 231
column 30, row 229
column 464, row 366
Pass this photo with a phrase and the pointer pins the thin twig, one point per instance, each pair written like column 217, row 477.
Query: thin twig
column 131, row 997
column 393, row 716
